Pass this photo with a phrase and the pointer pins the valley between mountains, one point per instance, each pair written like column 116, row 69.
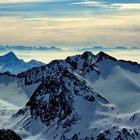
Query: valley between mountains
column 84, row 97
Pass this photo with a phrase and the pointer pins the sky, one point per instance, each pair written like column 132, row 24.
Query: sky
column 70, row 23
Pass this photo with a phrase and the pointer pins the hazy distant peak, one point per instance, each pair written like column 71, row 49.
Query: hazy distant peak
column 10, row 55
column 10, row 62
column 35, row 62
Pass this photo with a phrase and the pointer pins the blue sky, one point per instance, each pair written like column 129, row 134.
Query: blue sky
column 70, row 23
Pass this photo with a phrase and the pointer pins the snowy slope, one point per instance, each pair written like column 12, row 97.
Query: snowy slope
column 14, row 91
column 84, row 97
column 9, row 62
column 117, row 81
column 14, row 94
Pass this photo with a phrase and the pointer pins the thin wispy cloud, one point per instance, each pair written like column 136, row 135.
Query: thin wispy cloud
column 15, row 1
column 127, row 6
column 22, row 1
column 91, row 3
column 106, row 5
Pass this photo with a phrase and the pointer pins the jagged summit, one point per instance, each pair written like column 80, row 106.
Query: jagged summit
column 87, row 54
column 11, row 53
column 102, row 56
column 87, row 59
column 81, row 61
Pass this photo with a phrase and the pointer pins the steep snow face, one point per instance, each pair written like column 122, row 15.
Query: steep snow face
column 11, row 91
column 9, row 62
column 121, row 87
column 14, row 94
column 117, row 81
column 14, row 91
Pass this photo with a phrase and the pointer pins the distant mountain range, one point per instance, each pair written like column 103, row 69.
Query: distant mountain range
column 57, row 49
column 84, row 97
column 28, row 48
column 10, row 63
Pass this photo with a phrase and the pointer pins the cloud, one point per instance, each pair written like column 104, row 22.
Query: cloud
column 92, row 3
column 106, row 5
column 18, row 1
column 71, row 31
column 127, row 6
column 22, row 1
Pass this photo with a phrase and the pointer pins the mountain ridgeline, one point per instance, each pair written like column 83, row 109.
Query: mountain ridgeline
column 80, row 98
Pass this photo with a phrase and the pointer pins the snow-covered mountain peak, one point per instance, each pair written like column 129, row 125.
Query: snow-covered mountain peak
column 87, row 54
column 102, row 56
column 10, row 62
column 81, row 61
column 9, row 56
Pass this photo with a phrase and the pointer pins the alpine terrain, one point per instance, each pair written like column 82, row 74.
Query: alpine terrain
column 84, row 97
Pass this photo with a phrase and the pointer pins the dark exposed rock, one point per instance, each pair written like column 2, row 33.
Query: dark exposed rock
column 8, row 135
column 75, row 137
column 71, row 62
column 101, row 136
